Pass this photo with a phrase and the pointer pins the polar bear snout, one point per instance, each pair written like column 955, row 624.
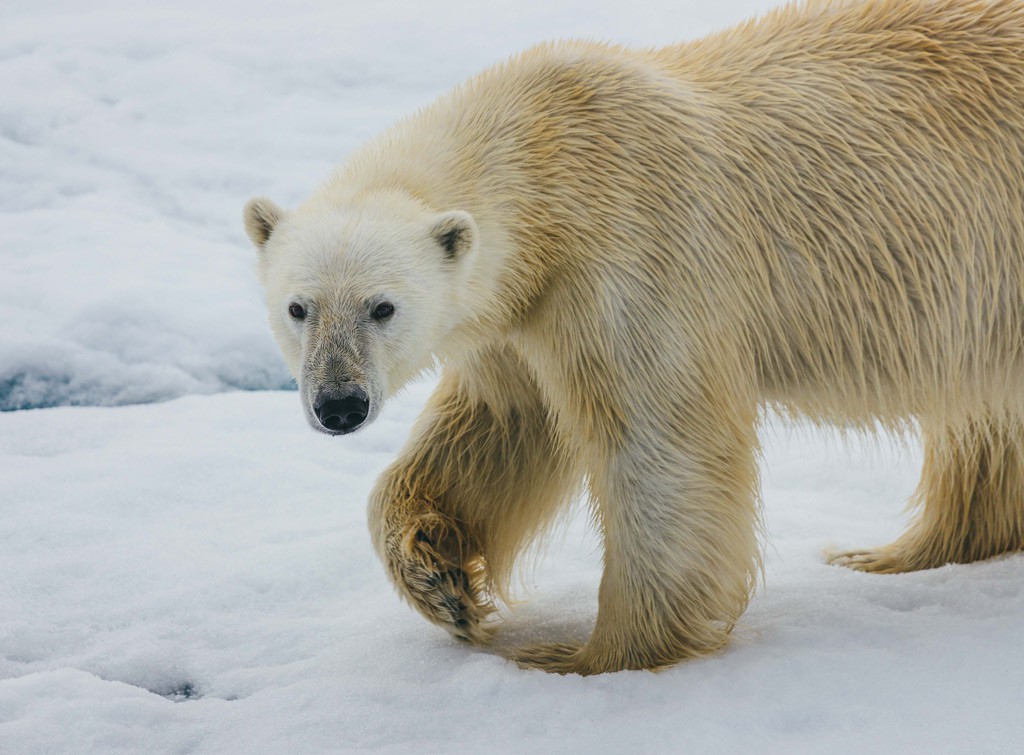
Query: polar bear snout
column 341, row 410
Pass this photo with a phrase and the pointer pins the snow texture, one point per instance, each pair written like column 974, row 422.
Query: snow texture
column 196, row 575
column 131, row 134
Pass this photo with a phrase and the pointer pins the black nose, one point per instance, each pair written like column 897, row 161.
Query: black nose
column 343, row 411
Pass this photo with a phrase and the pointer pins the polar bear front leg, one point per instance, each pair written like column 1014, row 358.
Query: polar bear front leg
column 480, row 476
column 679, row 522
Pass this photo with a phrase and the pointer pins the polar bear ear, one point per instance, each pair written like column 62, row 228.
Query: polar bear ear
column 260, row 215
column 455, row 232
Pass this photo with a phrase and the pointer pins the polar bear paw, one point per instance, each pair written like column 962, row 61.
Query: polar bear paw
column 553, row 657
column 430, row 561
column 884, row 560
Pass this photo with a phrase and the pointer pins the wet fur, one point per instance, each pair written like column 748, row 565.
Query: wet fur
column 819, row 211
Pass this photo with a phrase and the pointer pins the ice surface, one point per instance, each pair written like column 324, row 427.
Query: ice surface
column 196, row 576
column 131, row 134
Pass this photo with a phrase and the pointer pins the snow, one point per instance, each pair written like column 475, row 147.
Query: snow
column 196, row 575
column 131, row 134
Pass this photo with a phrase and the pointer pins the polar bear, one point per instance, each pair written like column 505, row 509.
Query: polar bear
column 619, row 258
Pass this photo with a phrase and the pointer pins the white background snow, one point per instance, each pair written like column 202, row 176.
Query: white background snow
column 195, row 575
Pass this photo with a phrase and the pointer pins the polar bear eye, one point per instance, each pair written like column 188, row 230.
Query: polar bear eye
column 297, row 311
column 383, row 311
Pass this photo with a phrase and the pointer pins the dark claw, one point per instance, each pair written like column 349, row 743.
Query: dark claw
column 453, row 604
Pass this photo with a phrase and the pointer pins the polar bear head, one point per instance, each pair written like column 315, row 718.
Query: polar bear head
column 361, row 295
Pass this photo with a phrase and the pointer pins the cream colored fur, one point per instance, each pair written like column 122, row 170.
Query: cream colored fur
column 820, row 211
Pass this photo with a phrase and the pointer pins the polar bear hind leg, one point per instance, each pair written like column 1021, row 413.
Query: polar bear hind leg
column 970, row 500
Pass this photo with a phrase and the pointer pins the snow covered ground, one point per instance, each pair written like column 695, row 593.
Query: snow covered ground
column 131, row 133
column 195, row 575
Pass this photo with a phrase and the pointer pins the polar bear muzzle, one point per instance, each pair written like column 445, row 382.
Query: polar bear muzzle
column 341, row 410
